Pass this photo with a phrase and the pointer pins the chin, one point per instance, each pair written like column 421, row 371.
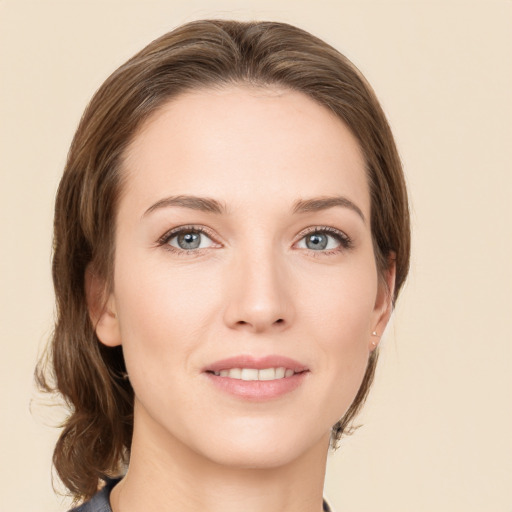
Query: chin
column 260, row 448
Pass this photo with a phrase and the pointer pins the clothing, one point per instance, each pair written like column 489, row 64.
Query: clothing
column 100, row 501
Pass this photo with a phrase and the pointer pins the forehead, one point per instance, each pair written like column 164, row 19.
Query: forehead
column 245, row 144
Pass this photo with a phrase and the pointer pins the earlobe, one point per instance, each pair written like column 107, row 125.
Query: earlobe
column 384, row 302
column 107, row 326
column 375, row 341
column 102, row 309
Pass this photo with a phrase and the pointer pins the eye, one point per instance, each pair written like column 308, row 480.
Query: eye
column 325, row 239
column 187, row 239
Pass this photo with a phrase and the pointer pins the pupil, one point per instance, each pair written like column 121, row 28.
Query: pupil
column 316, row 241
column 189, row 240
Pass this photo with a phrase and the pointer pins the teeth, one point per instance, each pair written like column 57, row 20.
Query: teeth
column 267, row 374
column 254, row 374
column 234, row 373
column 249, row 374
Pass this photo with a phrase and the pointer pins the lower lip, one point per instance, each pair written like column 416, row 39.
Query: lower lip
column 258, row 390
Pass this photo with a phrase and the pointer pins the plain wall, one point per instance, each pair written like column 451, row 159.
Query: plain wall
column 437, row 428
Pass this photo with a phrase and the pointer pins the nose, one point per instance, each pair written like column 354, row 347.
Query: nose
column 259, row 294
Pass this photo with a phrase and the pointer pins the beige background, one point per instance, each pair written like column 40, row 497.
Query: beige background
column 437, row 429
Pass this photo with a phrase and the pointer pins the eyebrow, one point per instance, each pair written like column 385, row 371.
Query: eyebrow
column 204, row 204
column 209, row 205
column 324, row 203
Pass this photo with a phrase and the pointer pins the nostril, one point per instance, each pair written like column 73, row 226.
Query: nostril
column 260, row 324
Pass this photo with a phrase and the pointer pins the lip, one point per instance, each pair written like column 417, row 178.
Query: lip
column 256, row 363
column 256, row 390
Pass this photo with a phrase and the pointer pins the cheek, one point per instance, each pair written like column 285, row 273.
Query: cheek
column 164, row 313
column 343, row 302
column 344, row 316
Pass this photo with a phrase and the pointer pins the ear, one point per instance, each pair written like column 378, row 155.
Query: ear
column 102, row 309
column 384, row 302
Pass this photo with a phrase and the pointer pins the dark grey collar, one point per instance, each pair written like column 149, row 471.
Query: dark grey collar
column 100, row 501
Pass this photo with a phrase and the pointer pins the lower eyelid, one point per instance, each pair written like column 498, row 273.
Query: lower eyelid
column 176, row 235
column 169, row 235
column 344, row 240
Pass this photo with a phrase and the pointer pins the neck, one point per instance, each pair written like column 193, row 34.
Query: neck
column 169, row 476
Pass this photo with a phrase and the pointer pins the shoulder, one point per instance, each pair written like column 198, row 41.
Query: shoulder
column 327, row 507
column 100, row 501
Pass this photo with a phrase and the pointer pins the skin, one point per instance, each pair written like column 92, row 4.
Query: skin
column 253, row 287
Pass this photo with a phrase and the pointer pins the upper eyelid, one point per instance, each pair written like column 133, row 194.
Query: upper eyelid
column 171, row 233
column 345, row 242
column 323, row 229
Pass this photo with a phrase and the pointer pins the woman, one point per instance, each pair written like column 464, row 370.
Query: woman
column 231, row 232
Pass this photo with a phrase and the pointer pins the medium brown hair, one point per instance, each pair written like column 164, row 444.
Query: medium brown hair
column 96, row 437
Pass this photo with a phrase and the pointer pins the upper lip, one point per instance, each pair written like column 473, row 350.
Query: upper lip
column 258, row 363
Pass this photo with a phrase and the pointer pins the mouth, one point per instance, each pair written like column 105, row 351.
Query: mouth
column 251, row 374
column 257, row 379
column 265, row 374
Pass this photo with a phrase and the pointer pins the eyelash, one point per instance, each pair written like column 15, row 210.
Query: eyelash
column 345, row 242
column 167, row 237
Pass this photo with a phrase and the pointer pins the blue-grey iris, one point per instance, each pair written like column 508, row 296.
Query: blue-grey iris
column 316, row 241
column 189, row 240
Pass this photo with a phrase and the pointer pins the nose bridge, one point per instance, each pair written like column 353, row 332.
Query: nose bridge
column 259, row 286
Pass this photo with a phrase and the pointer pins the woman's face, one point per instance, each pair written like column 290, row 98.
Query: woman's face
column 244, row 251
